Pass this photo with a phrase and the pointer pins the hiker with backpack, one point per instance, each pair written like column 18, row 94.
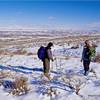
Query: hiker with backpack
column 45, row 54
column 88, row 55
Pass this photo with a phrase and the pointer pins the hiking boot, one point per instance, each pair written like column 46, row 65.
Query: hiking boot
column 48, row 76
column 86, row 73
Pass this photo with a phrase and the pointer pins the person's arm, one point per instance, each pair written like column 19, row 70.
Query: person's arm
column 82, row 55
column 50, row 56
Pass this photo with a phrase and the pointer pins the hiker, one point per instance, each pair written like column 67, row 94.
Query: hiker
column 46, row 57
column 46, row 61
column 88, row 55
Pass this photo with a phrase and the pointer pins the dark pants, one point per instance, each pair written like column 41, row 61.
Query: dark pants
column 86, row 65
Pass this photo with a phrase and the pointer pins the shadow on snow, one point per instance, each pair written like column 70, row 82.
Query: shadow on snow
column 24, row 69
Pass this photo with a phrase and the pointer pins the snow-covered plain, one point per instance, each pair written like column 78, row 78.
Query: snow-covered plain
column 67, row 83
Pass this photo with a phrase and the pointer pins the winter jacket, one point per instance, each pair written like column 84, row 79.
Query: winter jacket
column 48, row 53
column 86, row 54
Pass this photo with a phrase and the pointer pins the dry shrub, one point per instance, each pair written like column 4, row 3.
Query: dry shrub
column 4, row 52
column 74, row 82
column 75, row 47
column 4, row 74
column 77, row 89
column 51, row 92
column 30, row 53
column 20, row 52
column 20, row 86
column 67, row 58
column 97, row 59
column 1, row 52
column 62, row 57
column 7, row 74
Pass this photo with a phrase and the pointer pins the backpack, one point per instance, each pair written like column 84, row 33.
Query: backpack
column 92, row 53
column 41, row 53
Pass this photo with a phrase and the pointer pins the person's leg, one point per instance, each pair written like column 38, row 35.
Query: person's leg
column 46, row 68
column 86, row 66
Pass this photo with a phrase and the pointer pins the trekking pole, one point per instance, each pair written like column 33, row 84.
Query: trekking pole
column 56, row 63
column 60, row 63
column 52, row 66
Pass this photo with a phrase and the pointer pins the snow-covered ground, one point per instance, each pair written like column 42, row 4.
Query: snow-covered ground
column 67, row 79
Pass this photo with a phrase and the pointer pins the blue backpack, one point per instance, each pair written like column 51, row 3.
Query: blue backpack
column 41, row 53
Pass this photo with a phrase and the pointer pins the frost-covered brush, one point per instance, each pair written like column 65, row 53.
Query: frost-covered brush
column 59, row 61
column 74, row 82
column 79, row 86
column 1, row 81
column 51, row 92
column 77, row 89
column 4, row 74
column 7, row 74
column 12, row 74
column 93, row 71
column 58, row 66
column 68, row 82
column 20, row 87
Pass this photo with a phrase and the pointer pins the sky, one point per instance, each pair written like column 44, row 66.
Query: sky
column 50, row 14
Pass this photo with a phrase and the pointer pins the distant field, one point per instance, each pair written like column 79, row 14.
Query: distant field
column 37, row 40
column 21, row 42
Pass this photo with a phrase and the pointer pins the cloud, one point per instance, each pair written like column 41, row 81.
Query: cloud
column 51, row 18
column 94, row 25
column 8, row 20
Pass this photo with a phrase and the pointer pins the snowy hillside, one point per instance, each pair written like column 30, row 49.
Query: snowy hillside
column 67, row 83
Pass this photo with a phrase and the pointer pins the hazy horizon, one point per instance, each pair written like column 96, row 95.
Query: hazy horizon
column 49, row 14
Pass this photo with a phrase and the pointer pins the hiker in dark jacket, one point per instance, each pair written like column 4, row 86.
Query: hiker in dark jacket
column 86, row 56
column 46, row 61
